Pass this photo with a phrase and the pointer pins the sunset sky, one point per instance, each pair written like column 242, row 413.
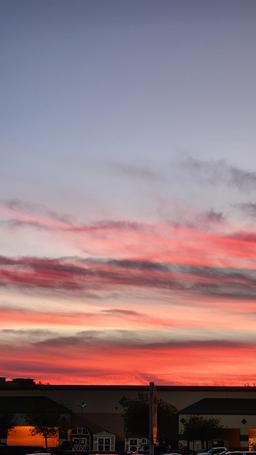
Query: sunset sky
column 128, row 191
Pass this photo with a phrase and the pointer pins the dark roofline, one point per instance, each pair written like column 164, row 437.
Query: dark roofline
column 221, row 406
column 140, row 388
column 31, row 403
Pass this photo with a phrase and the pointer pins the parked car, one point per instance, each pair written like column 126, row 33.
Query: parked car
column 158, row 449
column 22, row 450
column 171, row 453
column 37, row 453
column 214, row 451
column 143, row 449
column 240, row 452
column 68, row 448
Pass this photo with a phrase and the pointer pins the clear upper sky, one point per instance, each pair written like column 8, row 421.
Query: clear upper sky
column 127, row 189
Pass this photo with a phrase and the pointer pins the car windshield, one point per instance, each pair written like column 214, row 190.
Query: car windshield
column 214, row 450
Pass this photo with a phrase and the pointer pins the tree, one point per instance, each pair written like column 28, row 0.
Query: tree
column 47, row 425
column 198, row 428
column 136, row 417
column 6, row 423
column 167, row 423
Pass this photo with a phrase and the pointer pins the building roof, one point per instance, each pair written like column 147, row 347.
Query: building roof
column 29, row 384
column 80, row 420
column 30, row 405
column 223, row 406
column 110, row 422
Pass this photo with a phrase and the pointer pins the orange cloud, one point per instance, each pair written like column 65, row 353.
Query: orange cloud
column 194, row 282
column 210, row 364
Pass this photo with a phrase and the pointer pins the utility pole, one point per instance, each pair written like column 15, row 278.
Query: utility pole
column 152, row 436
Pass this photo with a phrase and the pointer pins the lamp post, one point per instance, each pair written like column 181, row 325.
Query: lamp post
column 152, row 417
column 83, row 406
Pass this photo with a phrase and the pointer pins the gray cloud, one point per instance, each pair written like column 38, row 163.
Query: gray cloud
column 34, row 368
column 138, row 264
column 212, row 217
column 25, row 337
column 211, row 171
column 244, row 180
column 58, row 221
column 32, row 332
column 248, row 208
column 133, row 171
column 245, row 236
column 120, row 225
column 120, row 311
column 80, row 276
column 146, row 339
column 220, row 172
column 25, row 206
column 15, row 224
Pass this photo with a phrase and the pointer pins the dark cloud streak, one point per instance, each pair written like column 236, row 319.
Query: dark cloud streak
column 248, row 208
column 220, row 172
column 135, row 171
column 79, row 276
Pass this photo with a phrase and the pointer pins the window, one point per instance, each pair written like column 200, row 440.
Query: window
column 81, row 444
column 107, row 444
column 104, row 444
column 100, row 445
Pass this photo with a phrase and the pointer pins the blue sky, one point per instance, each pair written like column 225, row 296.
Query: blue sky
column 139, row 83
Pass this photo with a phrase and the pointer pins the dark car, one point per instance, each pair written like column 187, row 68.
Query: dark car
column 66, row 448
column 21, row 450
column 158, row 449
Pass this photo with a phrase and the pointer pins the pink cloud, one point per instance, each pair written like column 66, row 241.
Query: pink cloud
column 163, row 318
column 164, row 242
column 181, row 278
column 204, row 365
column 76, row 275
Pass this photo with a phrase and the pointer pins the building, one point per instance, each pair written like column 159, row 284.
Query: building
column 133, row 444
column 237, row 416
column 19, row 414
column 98, row 408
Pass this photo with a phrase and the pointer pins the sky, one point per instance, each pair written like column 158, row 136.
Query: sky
column 127, row 191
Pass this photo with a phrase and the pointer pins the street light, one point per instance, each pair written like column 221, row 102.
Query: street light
column 83, row 404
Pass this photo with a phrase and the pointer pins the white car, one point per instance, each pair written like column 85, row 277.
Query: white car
column 38, row 453
column 214, row 451
column 240, row 452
